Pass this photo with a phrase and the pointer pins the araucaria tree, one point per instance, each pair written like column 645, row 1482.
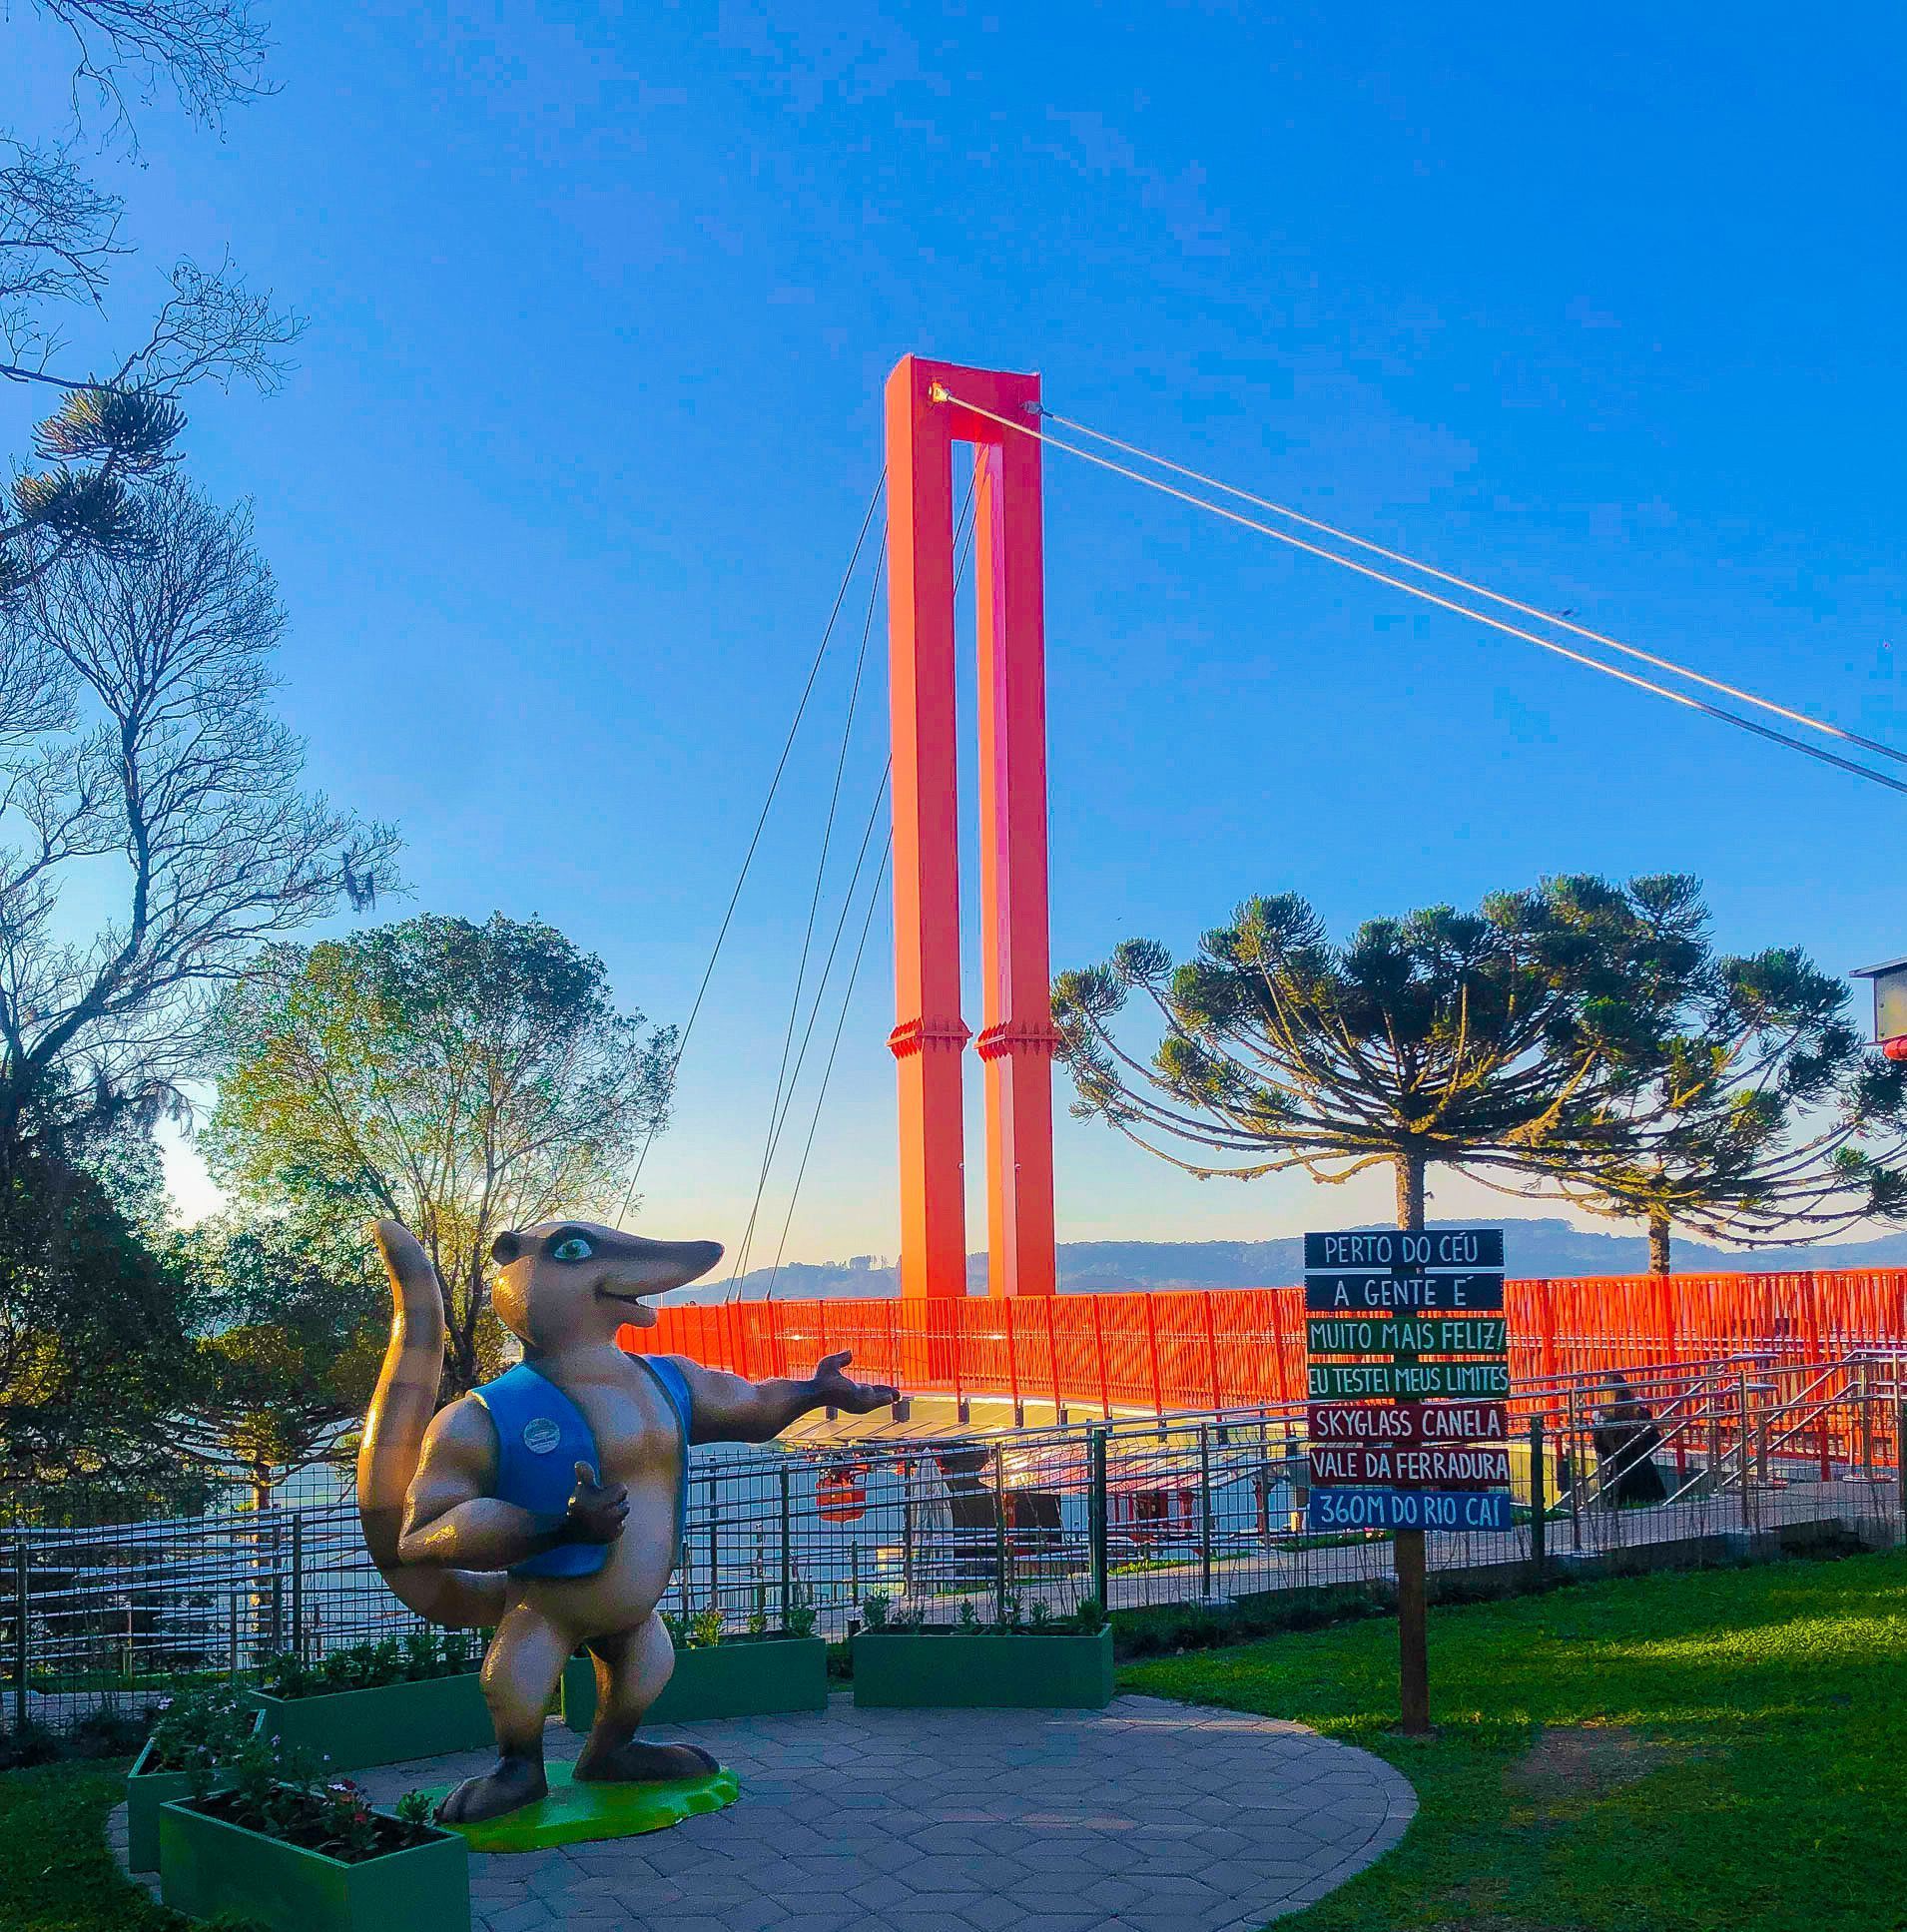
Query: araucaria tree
column 460, row 1078
column 1766, row 1118
column 114, row 414
column 1476, row 1041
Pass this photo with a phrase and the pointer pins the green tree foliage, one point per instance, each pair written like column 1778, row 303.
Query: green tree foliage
column 1476, row 1041
column 462, row 1078
column 289, row 1325
column 93, row 1332
column 1767, row 1116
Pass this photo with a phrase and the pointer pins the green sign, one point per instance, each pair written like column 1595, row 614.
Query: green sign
column 1405, row 1381
column 1406, row 1335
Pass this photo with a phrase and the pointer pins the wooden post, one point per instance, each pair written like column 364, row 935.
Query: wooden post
column 1413, row 1652
column 1407, row 1546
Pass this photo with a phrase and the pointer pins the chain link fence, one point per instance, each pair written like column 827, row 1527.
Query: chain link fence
column 1140, row 1514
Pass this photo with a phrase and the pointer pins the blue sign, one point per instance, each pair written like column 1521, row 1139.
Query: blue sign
column 1371, row 1509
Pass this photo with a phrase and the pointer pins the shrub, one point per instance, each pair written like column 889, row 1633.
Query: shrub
column 31, row 1743
column 409, row 1659
column 111, row 1730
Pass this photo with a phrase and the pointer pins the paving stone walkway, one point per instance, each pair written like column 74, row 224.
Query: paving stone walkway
column 1148, row 1816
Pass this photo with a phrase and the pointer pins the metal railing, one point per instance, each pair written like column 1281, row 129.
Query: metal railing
column 1171, row 1351
column 1137, row 1512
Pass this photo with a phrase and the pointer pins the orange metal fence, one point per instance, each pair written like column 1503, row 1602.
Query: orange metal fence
column 1233, row 1347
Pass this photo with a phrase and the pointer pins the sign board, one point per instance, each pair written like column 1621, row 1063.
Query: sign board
column 1406, row 1335
column 1412, row 1423
column 1405, row 1381
column 1362, row 1293
column 1469, row 1466
column 1392, row 1508
column 1407, row 1367
column 1393, row 1248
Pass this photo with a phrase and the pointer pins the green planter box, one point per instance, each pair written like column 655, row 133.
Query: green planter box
column 146, row 1791
column 748, row 1679
column 207, row 1867
column 396, row 1721
column 943, row 1670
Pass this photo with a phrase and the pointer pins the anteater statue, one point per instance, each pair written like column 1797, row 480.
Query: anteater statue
column 549, row 1501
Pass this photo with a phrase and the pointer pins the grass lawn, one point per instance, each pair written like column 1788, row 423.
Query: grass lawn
column 56, row 1874
column 1716, row 1749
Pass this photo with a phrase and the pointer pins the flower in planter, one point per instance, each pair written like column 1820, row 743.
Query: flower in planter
column 288, row 1795
column 197, row 1726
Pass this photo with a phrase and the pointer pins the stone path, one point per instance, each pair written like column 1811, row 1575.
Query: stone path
column 1148, row 1816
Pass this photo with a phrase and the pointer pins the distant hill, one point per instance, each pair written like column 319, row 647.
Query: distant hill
column 1532, row 1247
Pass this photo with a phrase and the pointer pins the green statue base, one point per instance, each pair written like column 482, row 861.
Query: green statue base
column 572, row 1813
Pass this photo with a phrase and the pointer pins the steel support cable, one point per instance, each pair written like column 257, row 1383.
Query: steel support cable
column 1431, row 597
column 748, row 858
column 776, row 1108
column 963, row 540
column 827, row 1072
column 1483, row 590
column 780, row 1119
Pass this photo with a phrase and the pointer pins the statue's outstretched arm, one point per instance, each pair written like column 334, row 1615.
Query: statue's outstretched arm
column 450, row 1519
column 730, row 1410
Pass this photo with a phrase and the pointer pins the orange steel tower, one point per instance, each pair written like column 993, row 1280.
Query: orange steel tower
column 924, row 420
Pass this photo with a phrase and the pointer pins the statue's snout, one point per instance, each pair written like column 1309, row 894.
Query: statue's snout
column 647, row 1267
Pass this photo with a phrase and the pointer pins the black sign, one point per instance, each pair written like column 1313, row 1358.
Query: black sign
column 1386, row 1294
column 1393, row 1249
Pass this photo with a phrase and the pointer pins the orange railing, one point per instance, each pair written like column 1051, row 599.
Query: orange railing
column 1234, row 1348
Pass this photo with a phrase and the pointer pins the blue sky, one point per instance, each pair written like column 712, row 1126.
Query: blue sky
column 1602, row 304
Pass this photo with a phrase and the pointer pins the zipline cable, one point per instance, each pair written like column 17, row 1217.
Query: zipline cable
column 1431, row 597
column 1483, row 590
column 748, row 858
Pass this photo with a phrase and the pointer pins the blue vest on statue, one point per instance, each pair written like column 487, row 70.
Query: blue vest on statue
column 542, row 1436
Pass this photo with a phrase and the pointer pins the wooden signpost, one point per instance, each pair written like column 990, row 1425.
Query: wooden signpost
column 1407, row 1371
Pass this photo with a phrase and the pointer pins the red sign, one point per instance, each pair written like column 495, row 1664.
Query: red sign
column 1409, row 1424
column 1401, row 1465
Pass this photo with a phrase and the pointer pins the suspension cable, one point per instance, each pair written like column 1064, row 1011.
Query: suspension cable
column 1483, row 590
column 748, row 858
column 963, row 539
column 827, row 1072
column 783, row 1078
column 1431, row 597
column 778, row 1119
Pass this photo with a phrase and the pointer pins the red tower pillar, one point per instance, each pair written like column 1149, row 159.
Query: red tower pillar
column 925, row 419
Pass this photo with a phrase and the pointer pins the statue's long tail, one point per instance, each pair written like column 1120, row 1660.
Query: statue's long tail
column 401, row 1411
